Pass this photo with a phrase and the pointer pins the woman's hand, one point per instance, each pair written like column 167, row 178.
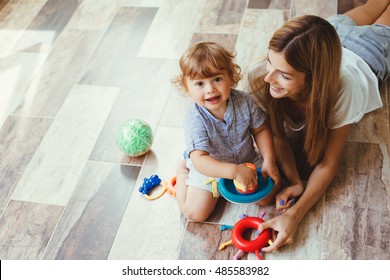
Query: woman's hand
column 284, row 228
column 288, row 196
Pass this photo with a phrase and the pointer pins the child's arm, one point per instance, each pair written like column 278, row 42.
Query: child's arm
column 209, row 166
column 265, row 143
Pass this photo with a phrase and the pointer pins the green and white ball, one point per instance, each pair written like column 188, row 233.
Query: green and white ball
column 134, row 137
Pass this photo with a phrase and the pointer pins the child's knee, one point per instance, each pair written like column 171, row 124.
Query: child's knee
column 197, row 216
column 199, row 210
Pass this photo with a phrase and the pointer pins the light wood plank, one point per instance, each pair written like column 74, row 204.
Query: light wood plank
column 172, row 29
column 226, row 40
column 94, row 15
column 139, row 98
column 20, row 137
column 175, row 108
column 43, row 31
column 16, row 72
column 374, row 127
column 152, row 229
column 142, row 3
column 221, row 16
column 61, row 70
column 25, row 229
column 308, row 238
column 357, row 216
column 257, row 28
column 53, row 172
column 202, row 240
column 14, row 18
column 110, row 63
column 323, row 9
column 270, row 4
column 93, row 215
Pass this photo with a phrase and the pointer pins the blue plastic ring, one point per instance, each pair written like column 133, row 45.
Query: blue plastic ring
column 228, row 190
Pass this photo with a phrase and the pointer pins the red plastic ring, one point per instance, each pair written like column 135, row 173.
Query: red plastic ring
column 250, row 245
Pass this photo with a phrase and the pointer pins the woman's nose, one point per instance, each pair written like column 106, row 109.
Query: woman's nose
column 268, row 77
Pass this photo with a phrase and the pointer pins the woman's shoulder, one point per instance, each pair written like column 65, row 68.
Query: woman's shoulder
column 356, row 70
column 359, row 94
column 358, row 79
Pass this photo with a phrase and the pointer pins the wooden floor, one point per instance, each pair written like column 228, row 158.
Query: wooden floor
column 73, row 71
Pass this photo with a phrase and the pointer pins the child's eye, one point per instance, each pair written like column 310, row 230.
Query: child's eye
column 218, row 79
column 199, row 84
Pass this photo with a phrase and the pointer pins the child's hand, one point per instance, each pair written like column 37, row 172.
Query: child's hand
column 270, row 169
column 247, row 177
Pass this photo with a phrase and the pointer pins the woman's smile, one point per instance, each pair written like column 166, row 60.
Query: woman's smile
column 277, row 92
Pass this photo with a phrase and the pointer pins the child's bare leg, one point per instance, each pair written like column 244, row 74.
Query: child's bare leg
column 196, row 204
column 181, row 187
column 199, row 205
column 369, row 12
column 270, row 198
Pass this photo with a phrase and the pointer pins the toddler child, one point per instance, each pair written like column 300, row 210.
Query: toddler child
column 220, row 127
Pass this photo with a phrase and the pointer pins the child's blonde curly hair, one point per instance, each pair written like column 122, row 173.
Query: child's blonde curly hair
column 206, row 59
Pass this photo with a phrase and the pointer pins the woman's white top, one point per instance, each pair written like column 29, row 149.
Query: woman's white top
column 360, row 92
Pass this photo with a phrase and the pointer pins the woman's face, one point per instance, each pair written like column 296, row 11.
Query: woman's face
column 284, row 80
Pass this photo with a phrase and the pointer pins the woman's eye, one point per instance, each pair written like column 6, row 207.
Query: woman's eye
column 285, row 77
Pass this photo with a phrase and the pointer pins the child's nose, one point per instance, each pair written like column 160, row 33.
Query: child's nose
column 209, row 88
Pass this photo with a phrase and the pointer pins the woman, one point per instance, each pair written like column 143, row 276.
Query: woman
column 318, row 81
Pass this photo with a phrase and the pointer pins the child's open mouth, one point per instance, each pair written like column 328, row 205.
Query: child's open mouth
column 214, row 99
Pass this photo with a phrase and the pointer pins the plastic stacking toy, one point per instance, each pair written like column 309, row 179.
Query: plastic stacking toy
column 228, row 190
column 240, row 188
column 248, row 246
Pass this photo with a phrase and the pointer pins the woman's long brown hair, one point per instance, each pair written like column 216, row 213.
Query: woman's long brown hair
column 310, row 45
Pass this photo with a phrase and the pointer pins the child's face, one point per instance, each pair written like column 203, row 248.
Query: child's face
column 210, row 92
column 284, row 80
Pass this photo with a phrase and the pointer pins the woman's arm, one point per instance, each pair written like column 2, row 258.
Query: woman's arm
column 265, row 143
column 286, row 160
column 323, row 173
column 287, row 163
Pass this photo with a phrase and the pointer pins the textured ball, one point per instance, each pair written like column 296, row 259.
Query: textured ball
column 134, row 137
